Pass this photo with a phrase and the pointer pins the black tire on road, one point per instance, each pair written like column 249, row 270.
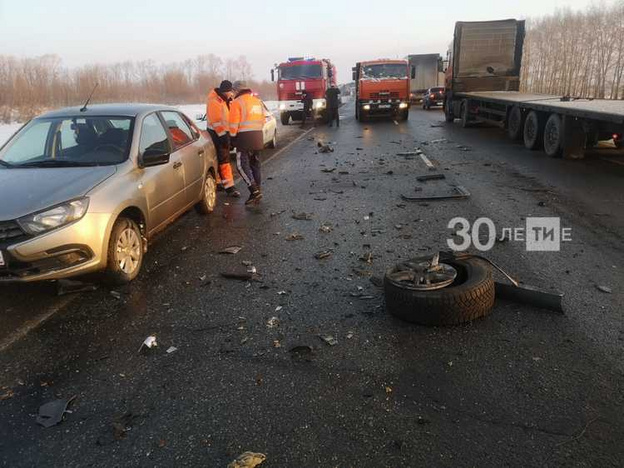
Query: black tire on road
column 532, row 131
column 515, row 123
column 273, row 143
column 125, row 252
column 465, row 115
column 448, row 111
column 553, row 136
column 285, row 118
column 405, row 114
column 470, row 297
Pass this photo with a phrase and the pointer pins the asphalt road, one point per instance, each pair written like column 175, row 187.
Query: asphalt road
column 521, row 388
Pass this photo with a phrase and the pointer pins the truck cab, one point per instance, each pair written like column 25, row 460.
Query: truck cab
column 382, row 88
column 300, row 74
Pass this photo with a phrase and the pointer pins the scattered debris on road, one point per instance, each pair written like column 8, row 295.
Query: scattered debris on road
column 323, row 254
column 295, row 236
column 329, row 339
column 8, row 393
column 302, row 216
column 457, row 193
column 149, row 343
column 115, row 294
column 324, row 148
column 233, row 250
column 302, row 352
column 604, row 289
column 273, row 322
column 328, row 169
column 247, row 460
column 51, row 413
column 171, row 349
column 66, row 286
column 426, row 177
column 239, row 275
column 326, row 228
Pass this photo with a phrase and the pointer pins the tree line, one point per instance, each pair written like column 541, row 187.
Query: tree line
column 30, row 85
column 576, row 53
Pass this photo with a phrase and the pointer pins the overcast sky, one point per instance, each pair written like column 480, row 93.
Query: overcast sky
column 89, row 31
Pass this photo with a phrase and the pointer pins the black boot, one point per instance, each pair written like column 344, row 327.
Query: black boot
column 255, row 195
column 232, row 192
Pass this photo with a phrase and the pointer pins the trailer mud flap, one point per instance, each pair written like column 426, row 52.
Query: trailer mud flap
column 573, row 138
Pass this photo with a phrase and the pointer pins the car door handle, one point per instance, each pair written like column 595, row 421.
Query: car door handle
column 200, row 153
column 177, row 164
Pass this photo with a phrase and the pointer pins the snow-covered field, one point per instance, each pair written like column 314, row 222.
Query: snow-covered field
column 192, row 110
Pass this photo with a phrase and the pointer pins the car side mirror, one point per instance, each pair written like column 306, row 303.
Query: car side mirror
column 272, row 74
column 154, row 157
column 413, row 72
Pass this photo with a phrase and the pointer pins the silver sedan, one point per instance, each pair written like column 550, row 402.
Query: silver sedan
column 86, row 189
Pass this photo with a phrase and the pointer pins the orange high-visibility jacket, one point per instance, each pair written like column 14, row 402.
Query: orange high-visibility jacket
column 217, row 113
column 247, row 121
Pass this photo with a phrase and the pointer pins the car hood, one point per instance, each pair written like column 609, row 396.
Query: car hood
column 25, row 191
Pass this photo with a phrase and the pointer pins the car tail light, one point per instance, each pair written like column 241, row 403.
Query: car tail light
column 616, row 136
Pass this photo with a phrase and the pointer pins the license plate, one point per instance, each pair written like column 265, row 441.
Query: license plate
column 385, row 106
column 2, row 262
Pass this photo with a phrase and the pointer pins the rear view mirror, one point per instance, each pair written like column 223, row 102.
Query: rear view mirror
column 272, row 74
column 413, row 72
column 154, row 157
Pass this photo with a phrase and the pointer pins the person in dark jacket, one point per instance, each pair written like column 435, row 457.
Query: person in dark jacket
column 246, row 123
column 308, row 102
column 332, row 97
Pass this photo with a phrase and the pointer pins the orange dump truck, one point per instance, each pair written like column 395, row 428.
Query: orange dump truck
column 382, row 88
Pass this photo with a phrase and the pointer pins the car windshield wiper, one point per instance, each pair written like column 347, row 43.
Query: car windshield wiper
column 5, row 164
column 55, row 163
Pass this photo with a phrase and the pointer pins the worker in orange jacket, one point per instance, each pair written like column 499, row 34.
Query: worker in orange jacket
column 246, row 123
column 217, row 118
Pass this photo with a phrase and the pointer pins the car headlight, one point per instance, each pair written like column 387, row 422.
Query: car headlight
column 53, row 218
column 366, row 107
column 319, row 104
column 403, row 105
column 282, row 106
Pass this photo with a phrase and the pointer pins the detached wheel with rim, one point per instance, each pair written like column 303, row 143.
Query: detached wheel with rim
column 532, row 132
column 208, row 202
column 285, row 118
column 553, row 136
column 125, row 252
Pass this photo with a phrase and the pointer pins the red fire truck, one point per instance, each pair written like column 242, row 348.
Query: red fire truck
column 300, row 74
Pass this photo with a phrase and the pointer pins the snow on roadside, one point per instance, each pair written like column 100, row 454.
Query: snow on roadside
column 7, row 130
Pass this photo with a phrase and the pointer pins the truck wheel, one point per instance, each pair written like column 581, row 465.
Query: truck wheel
column 515, row 123
column 553, row 136
column 448, row 111
column 532, row 132
column 469, row 297
column 285, row 118
column 465, row 116
column 125, row 252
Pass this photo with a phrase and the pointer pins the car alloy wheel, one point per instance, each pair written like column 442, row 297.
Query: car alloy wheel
column 210, row 193
column 128, row 251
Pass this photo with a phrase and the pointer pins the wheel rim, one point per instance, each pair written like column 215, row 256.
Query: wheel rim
column 531, row 130
column 128, row 251
column 552, row 136
column 210, row 192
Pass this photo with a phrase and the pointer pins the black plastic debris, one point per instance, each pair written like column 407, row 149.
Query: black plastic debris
column 51, row 413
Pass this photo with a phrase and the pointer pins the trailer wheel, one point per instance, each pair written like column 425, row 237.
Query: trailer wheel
column 285, row 118
column 469, row 297
column 448, row 111
column 532, row 132
column 515, row 123
column 553, row 136
column 465, row 116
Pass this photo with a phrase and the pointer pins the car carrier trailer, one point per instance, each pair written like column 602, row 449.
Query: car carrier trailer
column 482, row 83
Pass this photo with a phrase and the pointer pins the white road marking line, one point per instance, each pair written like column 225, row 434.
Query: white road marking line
column 30, row 325
column 427, row 161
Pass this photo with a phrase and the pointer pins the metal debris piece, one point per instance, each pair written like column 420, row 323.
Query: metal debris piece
column 329, row 339
column 233, row 250
column 302, row 216
column 328, row 169
column 149, row 342
column 367, row 257
column 277, row 344
column 604, row 289
column 440, row 140
column 457, row 193
column 50, row 414
column 273, row 322
column 65, row 286
column 295, row 236
column 427, row 177
column 115, row 294
column 350, row 335
column 247, row 460
column 325, row 148
column 409, row 153
column 323, row 254
column 8, row 393
column 325, row 228
column 281, row 293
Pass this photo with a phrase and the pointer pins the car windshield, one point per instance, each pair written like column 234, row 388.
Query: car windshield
column 385, row 71
column 69, row 141
column 300, row 71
